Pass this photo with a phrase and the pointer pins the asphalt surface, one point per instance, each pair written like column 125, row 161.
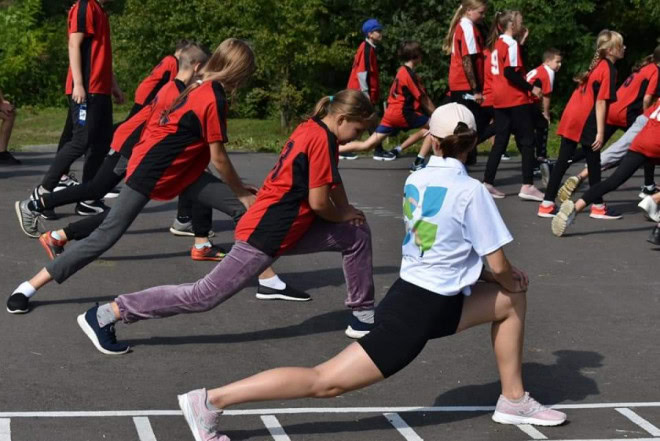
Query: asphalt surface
column 591, row 335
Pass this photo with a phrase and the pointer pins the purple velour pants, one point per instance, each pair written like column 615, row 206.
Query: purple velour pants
column 244, row 262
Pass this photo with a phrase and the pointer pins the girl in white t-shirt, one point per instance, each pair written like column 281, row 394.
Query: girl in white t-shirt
column 443, row 289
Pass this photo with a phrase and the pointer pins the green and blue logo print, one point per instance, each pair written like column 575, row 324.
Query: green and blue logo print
column 422, row 230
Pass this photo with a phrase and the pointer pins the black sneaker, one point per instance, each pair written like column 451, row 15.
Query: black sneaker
column 7, row 158
column 384, row 155
column 357, row 329
column 417, row 165
column 645, row 191
column 654, row 238
column 288, row 293
column 104, row 339
column 90, row 208
column 66, row 181
column 112, row 193
column 506, row 157
column 18, row 304
column 349, row 156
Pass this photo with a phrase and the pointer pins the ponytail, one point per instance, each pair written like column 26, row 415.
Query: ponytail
column 462, row 140
column 449, row 39
column 653, row 58
column 500, row 23
column 606, row 40
column 352, row 104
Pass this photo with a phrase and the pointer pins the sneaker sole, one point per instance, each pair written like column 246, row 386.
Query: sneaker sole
column 207, row 259
column 47, row 248
column 504, row 418
column 19, row 214
column 181, row 233
column 497, row 196
column 560, row 222
column 18, row 311
column 348, row 159
column 567, row 190
column 110, row 195
column 89, row 332
column 352, row 333
column 647, row 211
column 186, row 408
column 546, row 215
column 604, row 217
column 376, row 158
column 281, row 297
column 545, row 175
column 528, row 197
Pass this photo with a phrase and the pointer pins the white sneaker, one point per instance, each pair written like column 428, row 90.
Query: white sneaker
column 526, row 411
column 650, row 208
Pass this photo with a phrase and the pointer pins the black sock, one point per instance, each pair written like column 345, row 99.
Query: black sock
column 36, row 206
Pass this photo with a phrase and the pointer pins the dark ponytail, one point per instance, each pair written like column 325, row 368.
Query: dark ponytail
column 463, row 140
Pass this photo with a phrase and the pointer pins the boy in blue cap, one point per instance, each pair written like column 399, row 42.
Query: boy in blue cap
column 365, row 76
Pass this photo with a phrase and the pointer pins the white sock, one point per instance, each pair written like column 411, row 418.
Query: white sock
column 206, row 244
column 398, row 148
column 273, row 282
column 26, row 289
column 547, row 203
column 55, row 236
column 365, row 316
column 422, row 157
column 650, row 187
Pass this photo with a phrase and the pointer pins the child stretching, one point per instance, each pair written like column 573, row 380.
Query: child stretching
column 512, row 104
column 644, row 149
column 301, row 208
column 405, row 105
column 584, row 121
column 443, row 289
column 633, row 100
column 544, row 78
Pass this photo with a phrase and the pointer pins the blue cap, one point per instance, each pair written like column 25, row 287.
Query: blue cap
column 371, row 25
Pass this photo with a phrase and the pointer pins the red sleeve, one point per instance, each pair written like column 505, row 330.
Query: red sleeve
column 360, row 64
column 607, row 78
column 654, row 84
column 414, row 85
column 215, row 117
column 322, row 161
column 81, row 18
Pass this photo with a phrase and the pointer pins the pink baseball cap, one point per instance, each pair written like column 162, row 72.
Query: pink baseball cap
column 445, row 119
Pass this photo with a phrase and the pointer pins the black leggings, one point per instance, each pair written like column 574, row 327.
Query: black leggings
column 629, row 165
column 566, row 152
column 540, row 133
column 481, row 118
column 516, row 120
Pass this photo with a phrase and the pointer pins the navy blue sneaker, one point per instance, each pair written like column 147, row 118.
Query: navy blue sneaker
column 103, row 338
column 358, row 329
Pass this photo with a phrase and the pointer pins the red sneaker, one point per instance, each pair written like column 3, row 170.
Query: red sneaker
column 547, row 211
column 602, row 211
column 52, row 246
column 212, row 253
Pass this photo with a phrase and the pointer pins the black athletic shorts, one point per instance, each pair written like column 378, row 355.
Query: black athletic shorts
column 407, row 318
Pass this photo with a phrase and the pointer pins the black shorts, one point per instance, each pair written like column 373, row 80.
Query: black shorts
column 407, row 318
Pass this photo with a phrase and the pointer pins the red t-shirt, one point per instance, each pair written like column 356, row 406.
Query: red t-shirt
column 365, row 67
column 506, row 53
column 630, row 96
column 488, row 80
column 543, row 77
column 647, row 142
column 281, row 214
column 128, row 133
column 164, row 72
column 578, row 122
column 172, row 154
column 467, row 41
column 404, row 103
column 89, row 18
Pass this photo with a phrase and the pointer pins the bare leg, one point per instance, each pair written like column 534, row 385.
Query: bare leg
column 426, row 147
column 42, row 278
column 349, row 370
column 359, row 146
column 490, row 303
column 412, row 139
column 5, row 130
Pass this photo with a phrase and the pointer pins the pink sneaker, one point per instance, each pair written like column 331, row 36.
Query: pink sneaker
column 202, row 422
column 526, row 411
column 530, row 193
column 494, row 192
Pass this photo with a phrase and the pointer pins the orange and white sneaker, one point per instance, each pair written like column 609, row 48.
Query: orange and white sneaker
column 602, row 211
column 213, row 253
column 52, row 246
column 547, row 210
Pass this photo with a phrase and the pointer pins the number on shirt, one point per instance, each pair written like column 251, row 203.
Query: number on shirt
column 532, row 73
column 494, row 65
column 656, row 114
column 629, row 80
column 285, row 152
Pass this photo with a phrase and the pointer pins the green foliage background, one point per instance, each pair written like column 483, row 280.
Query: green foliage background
column 304, row 47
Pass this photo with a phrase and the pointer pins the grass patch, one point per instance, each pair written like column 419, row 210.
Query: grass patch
column 44, row 126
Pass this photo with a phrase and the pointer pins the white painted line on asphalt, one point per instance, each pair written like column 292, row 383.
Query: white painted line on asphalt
column 275, row 428
column 641, row 422
column 531, row 431
column 144, row 430
column 610, row 439
column 402, row 427
column 304, row 410
column 5, row 429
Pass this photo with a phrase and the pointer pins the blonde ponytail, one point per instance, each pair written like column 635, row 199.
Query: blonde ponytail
column 606, row 40
column 460, row 12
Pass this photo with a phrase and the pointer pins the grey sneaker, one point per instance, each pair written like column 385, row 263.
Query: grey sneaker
column 28, row 219
column 526, row 411
column 184, row 229
column 202, row 422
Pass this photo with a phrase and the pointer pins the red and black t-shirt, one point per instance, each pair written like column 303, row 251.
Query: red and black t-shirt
column 164, row 72
column 89, row 18
column 630, row 96
column 506, row 54
column 488, row 79
column 647, row 142
column 404, row 103
column 173, row 152
column 578, row 122
column 281, row 214
column 542, row 77
column 128, row 133
column 365, row 72
column 467, row 41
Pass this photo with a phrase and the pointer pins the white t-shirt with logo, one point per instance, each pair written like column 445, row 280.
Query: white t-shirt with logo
column 451, row 223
